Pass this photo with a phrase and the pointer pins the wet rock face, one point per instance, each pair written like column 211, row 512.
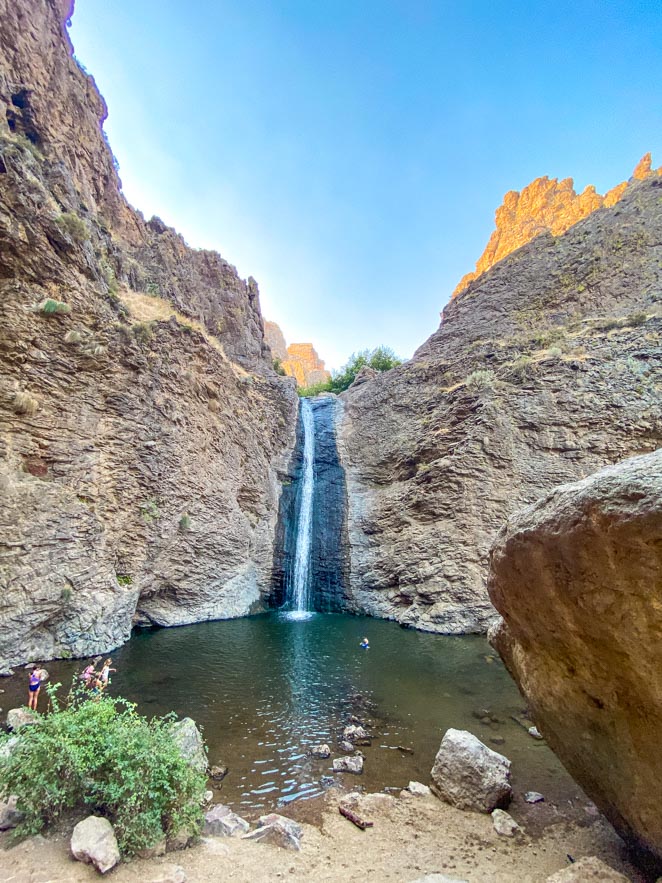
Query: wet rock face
column 544, row 370
column 141, row 425
column 578, row 580
column 329, row 558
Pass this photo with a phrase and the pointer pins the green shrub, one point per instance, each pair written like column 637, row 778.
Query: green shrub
column 142, row 331
column 185, row 522
column 307, row 392
column 104, row 756
column 278, row 368
column 522, row 368
column 66, row 594
column 124, row 579
column 50, row 307
column 73, row 337
column 74, row 227
column 480, row 379
column 555, row 352
column 150, row 511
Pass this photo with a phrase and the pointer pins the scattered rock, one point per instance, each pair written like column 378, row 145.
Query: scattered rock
column 348, row 764
column 153, row 851
column 208, row 797
column 504, row 823
column 418, row 789
column 346, row 746
column 93, row 842
column 321, row 751
column 438, row 878
column 497, row 740
column 469, row 775
column 220, row 821
column 10, row 817
column 7, row 747
column 218, row 772
column 588, row 870
column 6, row 672
column 21, row 717
column 535, row 732
column 169, row 874
column 355, row 733
column 533, row 797
column 189, row 740
column 277, row 830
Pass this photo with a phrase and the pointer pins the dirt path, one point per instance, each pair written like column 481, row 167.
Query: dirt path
column 411, row 837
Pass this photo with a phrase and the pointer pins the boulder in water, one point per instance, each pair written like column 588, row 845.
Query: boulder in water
column 348, row 764
column 189, row 740
column 218, row 772
column 355, row 733
column 320, row 751
column 93, row 842
column 469, row 775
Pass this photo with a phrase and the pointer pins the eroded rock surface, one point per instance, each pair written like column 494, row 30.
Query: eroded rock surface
column 578, row 580
column 545, row 369
column 298, row 360
column 546, row 205
column 142, row 427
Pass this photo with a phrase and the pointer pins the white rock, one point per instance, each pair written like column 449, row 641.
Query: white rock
column 354, row 733
column 208, row 797
column 535, row 732
column 220, row 821
column 533, row 797
column 93, row 842
column 348, row 764
column 505, row 824
column 10, row 817
column 418, row 789
column 321, row 751
column 469, row 775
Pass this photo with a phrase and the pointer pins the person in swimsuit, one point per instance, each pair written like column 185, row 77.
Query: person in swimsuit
column 365, row 644
column 104, row 677
column 87, row 675
column 34, row 684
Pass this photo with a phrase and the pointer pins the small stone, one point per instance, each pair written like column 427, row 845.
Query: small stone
column 208, row 797
column 418, row 789
column 10, row 817
column 348, row 764
column 220, row 821
column 588, row 870
column 169, row 874
column 153, row 851
column 321, row 751
column 535, row 732
column 218, row 772
column 497, row 740
column 533, row 797
column 21, row 717
column 355, row 733
column 505, row 824
column 93, row 842
column 277, row 830
column 346, row 746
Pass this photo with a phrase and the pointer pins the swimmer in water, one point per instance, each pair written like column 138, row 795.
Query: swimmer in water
column 365, row 644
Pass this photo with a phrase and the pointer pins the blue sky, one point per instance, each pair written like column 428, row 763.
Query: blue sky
column 350, row 154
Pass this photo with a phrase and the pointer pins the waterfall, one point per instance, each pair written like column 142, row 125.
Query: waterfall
column 300, row 594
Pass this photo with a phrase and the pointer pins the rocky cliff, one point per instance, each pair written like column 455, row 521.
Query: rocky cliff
column 545, row 369
column 544, row 205
column 142, row 427
column 298, row 360
column 578, row 579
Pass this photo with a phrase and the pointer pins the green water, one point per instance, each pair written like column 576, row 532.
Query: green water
column 266, row 688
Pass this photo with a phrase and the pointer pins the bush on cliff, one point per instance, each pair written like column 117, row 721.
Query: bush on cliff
column 382, row 358
column 103, row 755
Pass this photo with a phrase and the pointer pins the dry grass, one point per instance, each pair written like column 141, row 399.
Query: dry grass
column 23, row 403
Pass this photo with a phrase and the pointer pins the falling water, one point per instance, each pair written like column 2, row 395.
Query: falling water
column 301, row 585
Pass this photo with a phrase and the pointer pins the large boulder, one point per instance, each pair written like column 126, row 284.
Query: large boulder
column 277, row 830
column 220, row 821
column 93, row 842
column 190, row 743
column 10, row 816
column 21, row 717
column 469, row 775
column 578, row 580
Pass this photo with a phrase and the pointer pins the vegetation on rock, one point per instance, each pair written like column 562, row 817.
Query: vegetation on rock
column 382, row 358
column 100, row 753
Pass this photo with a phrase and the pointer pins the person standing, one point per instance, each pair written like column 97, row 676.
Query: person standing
column 104, row 677
column 34, row 685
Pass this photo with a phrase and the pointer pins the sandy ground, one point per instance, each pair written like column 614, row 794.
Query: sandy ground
column 411, row 837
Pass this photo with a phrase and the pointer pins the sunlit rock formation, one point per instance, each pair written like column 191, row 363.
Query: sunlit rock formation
column 578, row 580
column 544, row 205
column 545, row 369
column 298, row 360
column 142, row 427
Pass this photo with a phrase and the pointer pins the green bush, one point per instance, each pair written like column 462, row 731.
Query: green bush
column 101, row 754
column 50, row 307
column 382, row 358
column 73, row 226
column 150, row 511
column 185, row 522
column 124, row 579
column 480, row 379
column 278, row 368
column 73, row 337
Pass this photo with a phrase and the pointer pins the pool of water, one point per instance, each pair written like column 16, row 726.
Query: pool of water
column 266, row 688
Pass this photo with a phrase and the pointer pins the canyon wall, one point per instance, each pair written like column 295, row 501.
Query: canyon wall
column 546, row 368
column 298, row 360
column 546, row 205
column 143, row 431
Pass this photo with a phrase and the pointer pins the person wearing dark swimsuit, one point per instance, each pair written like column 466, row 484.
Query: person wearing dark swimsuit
column 34, row 685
